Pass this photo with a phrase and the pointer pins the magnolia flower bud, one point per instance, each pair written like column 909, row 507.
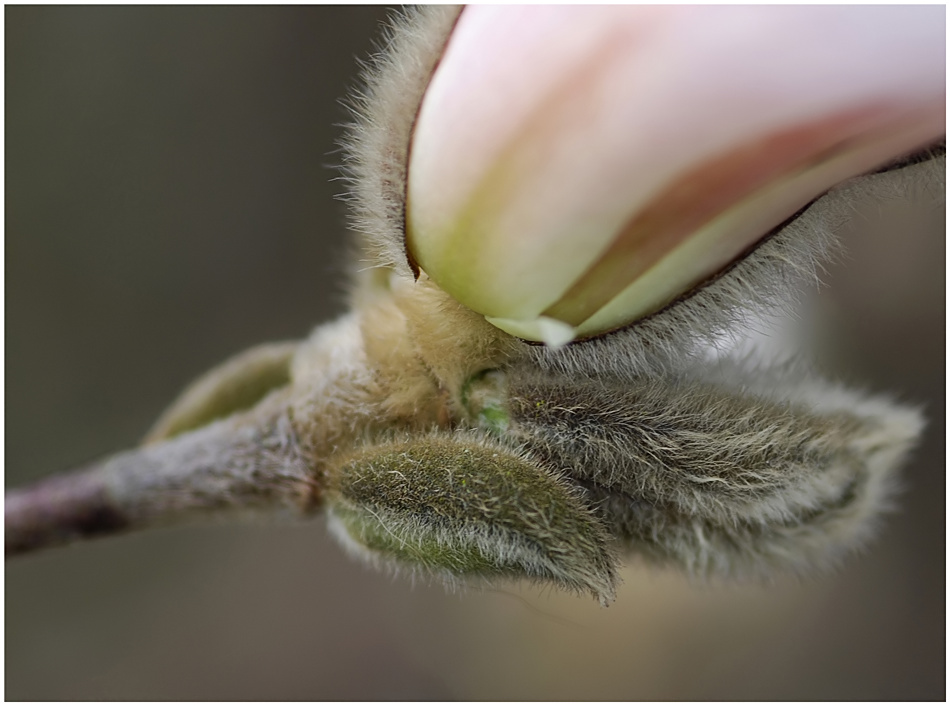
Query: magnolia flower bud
column 574, row 169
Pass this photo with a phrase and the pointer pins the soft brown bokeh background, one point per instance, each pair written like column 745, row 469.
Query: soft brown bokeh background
column 167, row 204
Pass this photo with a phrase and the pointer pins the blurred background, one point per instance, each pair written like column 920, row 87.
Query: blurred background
column 169, row 202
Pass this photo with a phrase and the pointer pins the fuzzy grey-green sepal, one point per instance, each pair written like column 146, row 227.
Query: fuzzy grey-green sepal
column 464, row 507
column 730, row 471
column 377, row 141
column 238, row 383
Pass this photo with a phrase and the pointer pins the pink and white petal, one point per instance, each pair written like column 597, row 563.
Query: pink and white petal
column 563, row 152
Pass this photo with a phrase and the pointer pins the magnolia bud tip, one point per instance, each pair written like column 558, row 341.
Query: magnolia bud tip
column 544, row 329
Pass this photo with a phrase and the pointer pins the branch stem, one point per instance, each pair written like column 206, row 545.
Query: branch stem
column 60, row 509
column 247, row 462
